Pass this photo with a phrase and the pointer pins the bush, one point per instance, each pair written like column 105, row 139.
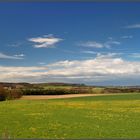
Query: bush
column 2, row 97
column 6, row 94
column 3, row 94
column 14, row 94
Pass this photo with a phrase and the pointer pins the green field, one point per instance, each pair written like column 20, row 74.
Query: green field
column 113, row 116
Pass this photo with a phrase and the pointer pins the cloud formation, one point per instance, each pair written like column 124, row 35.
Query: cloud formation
column 133, row 26
column 108, row 67
column 110, row 43
column 127, row 37
column 94, row 44
column 47, row 41
column 89, row 52
column 5, row 56
column 19, row 55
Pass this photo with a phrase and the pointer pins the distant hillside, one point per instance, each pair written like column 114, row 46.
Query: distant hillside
column 14, row 85
column 30, row 85
column 60, row 84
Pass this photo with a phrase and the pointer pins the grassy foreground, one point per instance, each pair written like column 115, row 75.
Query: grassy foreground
column 113, row 116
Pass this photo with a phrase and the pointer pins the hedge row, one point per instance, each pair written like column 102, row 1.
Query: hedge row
column 121, row 90
column 55, row 91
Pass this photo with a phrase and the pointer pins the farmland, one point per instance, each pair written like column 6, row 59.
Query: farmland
column 112, row 116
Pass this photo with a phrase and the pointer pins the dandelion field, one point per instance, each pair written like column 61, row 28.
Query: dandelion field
column 113, row 116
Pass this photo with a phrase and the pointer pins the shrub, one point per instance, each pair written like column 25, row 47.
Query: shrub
column 6, row 94
column 3, row 94
column 2, row 97
column 14, row 94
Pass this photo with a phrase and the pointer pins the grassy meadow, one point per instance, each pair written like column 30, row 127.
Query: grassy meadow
column 112, row 116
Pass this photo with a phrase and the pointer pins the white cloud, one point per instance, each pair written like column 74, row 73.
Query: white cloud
column 5, row 56
column 47, row 41
column 108, row 44
column 102, row 68
column 127, row 37
column 42, row 63
column 89, row 52
column 133, row 26
column 107, row 55
column 19, row 55
column 110, row 38
column 94, row 44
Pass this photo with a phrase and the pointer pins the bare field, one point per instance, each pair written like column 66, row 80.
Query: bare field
column 44, row 97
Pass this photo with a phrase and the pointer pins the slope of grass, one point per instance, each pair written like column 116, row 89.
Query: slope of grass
column 113, row 116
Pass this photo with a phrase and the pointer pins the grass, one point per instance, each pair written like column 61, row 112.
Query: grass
column 113, row 116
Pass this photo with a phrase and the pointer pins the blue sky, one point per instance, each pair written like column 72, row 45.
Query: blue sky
column 78, row 42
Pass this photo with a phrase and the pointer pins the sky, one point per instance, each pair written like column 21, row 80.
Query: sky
column 95, row 43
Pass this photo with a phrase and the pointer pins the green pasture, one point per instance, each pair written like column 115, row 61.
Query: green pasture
column 113, row 116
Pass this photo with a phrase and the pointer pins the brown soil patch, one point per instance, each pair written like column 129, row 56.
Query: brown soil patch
column 41, row 97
